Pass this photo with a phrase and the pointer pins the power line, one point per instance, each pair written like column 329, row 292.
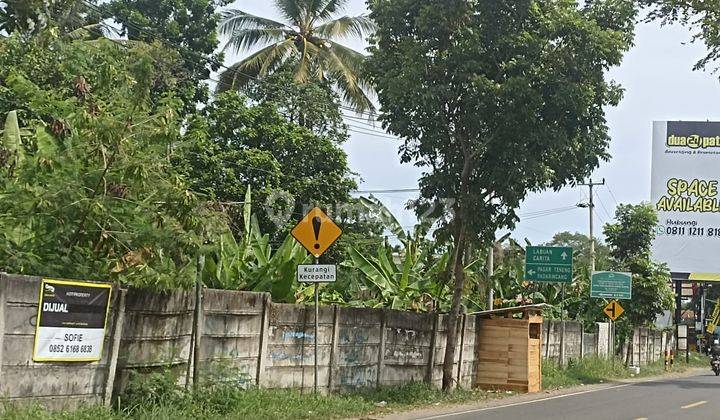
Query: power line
column 152, row 34
column 387, row 191
column 613, row 196
column 602, row 204
column 365, row 128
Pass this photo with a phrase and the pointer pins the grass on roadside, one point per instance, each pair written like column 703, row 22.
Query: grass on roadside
column 227, row 402
column 158, row 397
column 593, row 370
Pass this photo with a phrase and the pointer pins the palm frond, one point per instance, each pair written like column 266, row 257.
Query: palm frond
column 345, row 27
column 344, row 67
column 92, row 31
column 245, row 39
column 258, row 65
column 291, row 10
column 234, row 20
column 329, row 8
column 308, row 56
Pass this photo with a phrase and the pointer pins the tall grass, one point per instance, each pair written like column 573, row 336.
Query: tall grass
column 593, row 370
column 157, row 397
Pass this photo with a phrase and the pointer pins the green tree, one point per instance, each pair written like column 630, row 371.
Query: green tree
column 188, row 26
column 309, row 38
column 313, row 105
column 30, row 17
column 630, row 239
column 87, row 188
column 289, row 168
column 495, row 99
column 580, row 244
column 701, row 15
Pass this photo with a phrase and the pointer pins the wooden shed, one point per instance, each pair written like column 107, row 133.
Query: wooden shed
column 508, row 348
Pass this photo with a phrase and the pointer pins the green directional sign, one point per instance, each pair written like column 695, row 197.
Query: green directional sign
column 549, row 263
column 611, row 285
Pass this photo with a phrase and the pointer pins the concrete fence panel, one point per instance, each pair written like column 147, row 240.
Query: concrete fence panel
column 267, row 344
column 53, row 384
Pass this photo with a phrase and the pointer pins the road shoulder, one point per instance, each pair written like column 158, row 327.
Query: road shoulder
column 430, row 412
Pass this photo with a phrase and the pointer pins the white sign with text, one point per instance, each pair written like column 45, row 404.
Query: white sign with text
column 316, row 273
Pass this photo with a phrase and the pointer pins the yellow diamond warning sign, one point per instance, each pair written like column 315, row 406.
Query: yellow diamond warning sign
column 316, row 232
column 613, row 310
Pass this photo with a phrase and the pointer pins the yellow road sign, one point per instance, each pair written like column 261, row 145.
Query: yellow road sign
column 613, row 310
column 316, row 232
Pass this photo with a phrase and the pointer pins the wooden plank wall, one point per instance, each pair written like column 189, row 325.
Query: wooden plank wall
column 503, row 353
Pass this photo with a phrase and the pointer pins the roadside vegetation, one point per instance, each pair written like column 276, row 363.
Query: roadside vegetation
column 119, row 163
column 594, row 370
column 158, row 397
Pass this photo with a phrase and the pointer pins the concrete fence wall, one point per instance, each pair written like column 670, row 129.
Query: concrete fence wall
column 647, row 345
column 266, row 344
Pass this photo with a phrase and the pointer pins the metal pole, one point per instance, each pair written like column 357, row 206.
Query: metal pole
column 678, row 304
column 611, row 333
column 562, row 325
column 592, row 237
column 317, row 313
column 490, row 272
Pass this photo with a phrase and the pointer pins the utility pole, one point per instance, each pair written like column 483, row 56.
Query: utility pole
column 591, row 207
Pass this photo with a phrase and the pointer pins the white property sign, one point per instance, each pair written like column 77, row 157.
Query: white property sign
column 317, row 273
column 71, row 321
column 685, row 192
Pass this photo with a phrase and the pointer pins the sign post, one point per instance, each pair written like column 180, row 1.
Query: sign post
column 553, row 264
column 611, row 285
column 316, row 232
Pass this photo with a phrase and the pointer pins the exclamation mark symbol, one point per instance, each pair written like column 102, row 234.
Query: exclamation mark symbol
column 316, row 222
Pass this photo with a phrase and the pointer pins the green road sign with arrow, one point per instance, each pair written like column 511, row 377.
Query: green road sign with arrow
column 549, row 264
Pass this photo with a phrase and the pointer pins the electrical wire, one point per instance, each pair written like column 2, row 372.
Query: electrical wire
column 607, row 213
column 155, row 36
column 613, row 196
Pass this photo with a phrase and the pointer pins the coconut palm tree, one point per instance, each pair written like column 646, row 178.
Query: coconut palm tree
column 308, row 40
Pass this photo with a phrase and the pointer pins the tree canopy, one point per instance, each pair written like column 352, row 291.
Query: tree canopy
column 630, row 240
column 88, row 188
column 495, row 99
column 309, row 38
column 234, row 145
column 187, row 26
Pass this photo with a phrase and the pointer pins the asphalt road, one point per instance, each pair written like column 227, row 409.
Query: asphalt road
column 695, row 397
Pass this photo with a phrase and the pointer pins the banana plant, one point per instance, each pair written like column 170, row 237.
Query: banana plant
column 252, row 264
column 400, row 280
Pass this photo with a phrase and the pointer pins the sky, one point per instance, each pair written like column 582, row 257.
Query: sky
column 659, row 85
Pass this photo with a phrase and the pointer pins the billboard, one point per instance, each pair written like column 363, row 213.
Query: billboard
column 684, row 191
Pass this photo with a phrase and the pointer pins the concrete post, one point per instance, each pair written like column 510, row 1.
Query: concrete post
column 333, row 346
column 547, row 339
column 262, row 351
column 3, row 300
column 115, row 337
column 381, row 346
column 462, row 344
column 431, row 356
column 198, row 322
column 582, row 340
